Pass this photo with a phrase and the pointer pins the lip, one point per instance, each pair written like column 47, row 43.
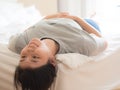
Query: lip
column 34, row 42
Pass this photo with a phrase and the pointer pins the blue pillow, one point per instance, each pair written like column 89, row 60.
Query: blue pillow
column 93, row 23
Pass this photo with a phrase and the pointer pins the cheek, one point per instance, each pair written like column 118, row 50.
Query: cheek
column 44, row 49
column 43, row 52
column 43, row 55
column 23, row 50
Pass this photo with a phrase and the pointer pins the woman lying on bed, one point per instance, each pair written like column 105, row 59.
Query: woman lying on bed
column 38, row 45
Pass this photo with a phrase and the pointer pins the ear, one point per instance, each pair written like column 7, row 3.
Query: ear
column 53, row 61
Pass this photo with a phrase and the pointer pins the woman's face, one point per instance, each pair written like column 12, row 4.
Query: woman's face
column 35, row 54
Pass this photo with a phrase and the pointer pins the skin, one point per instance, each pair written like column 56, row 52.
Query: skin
column 37, row 52
column 80, row 21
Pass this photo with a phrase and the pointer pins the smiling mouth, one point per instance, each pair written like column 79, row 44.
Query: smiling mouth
column 32, row 44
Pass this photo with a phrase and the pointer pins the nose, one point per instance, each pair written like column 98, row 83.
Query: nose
column 26, row 63
column 27, row 60
column 35, row 41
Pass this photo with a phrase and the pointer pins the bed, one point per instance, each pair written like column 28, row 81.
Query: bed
column 75, row 71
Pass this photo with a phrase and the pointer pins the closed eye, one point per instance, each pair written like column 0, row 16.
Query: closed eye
column 23, row 56
column 21, row 60
column 35, row 57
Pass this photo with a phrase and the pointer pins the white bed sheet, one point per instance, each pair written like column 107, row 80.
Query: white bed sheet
column 95, row 73
column 84, row 73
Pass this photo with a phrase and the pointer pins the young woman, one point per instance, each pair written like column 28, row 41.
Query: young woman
column 38, row 46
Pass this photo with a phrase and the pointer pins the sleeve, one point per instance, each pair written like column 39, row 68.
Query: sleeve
column 101, row 44
column 12, row 43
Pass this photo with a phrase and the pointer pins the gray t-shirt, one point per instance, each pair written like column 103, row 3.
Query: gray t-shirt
column 66, row 32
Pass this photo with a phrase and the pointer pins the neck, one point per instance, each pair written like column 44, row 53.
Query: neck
column 52, row 45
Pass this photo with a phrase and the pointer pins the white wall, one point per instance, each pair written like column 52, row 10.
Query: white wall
column 88, row 7
column 44, row 6
column 72, row 6
column 8, row 0
column 78, row 7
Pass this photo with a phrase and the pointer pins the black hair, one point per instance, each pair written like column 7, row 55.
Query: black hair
column 39, row 78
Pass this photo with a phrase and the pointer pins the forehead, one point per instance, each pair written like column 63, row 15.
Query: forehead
column 32, row 64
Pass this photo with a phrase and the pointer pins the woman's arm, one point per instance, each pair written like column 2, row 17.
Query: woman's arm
column 86, row 26
column 58, row 15
column 81, row 22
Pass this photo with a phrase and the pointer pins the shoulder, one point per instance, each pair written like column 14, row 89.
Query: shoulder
column 12, row 42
